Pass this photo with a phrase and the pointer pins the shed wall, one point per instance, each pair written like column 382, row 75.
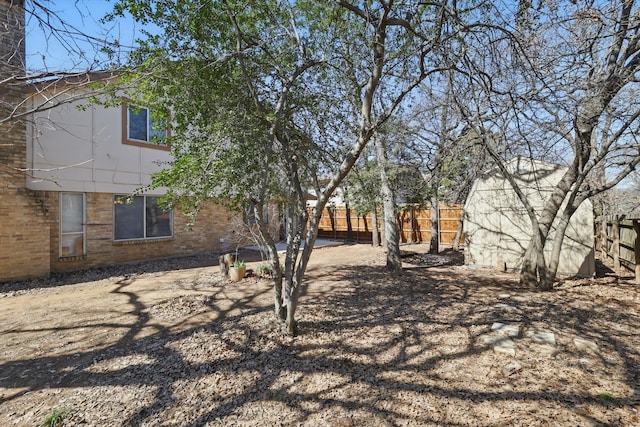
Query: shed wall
column 498, row 229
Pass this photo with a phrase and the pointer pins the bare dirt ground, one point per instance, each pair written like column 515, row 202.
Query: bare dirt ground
column 154, row 345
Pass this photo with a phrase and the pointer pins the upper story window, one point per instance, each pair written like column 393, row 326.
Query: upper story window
column 141, row 128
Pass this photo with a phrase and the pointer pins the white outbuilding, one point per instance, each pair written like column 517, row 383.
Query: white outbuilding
column 497, row 227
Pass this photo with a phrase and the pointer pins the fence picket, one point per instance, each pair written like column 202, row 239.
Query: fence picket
column 414, row 224
column 619, row 241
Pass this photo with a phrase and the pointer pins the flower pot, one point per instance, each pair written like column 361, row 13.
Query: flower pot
column 237, row 273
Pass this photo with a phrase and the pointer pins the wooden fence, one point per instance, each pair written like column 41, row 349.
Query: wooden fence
column 414, row 224
column 619, row 241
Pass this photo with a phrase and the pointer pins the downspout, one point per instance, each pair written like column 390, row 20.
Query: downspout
column 31, row 161
column 93, row 147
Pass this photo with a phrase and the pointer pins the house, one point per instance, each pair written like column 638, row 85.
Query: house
column 498, row 229
column 68, row 174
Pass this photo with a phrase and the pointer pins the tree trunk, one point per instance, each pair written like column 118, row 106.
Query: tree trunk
column 543, row 282
column 535, row 251
column 528, row 271
column 434, row 246
column 295, row 277
column 554, row 260
column 436, row 174
column 375, row 237
column 349, row 225
column 225, row 261
column 534, row 269
column 383, row 240
column 391, row 235
column 291, row 303
column 589, row 112
column 274, row 261
column 297, row 215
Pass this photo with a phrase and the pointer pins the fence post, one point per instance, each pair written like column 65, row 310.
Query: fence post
column 412, row 238
column 636, row 248
column 615, row 245
column 334, row 224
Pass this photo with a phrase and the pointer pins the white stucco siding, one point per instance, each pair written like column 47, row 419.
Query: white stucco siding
column 75, row 149
column 61, row 136
column 498, row 229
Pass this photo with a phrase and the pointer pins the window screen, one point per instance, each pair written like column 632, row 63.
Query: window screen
column 158, row 221
column 138, row 120
column 140, row 217
column 129, row 217
column 72, row 227
column 142, row 126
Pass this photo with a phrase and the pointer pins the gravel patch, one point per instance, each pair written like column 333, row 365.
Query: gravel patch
column 186, row 348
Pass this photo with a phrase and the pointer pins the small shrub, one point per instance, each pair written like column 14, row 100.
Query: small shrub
column 608, row 397
column 56, row 417
column 264, row 270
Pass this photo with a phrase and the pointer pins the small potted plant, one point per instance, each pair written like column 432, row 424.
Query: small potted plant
column 237, row 270
column 264, row 271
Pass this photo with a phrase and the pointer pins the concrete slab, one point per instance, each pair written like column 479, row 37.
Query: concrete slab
column 583, row 345
column 500, row 344
column 493, row 339
column 505, row 349
column 504, row 306
column 282, row 246
column 545, row 349
column 544, row 337
column 511, row 330
column 511, row 368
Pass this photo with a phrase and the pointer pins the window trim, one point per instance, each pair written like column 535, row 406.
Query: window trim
column 136, row 142
column 84, row 226
column 144, row 222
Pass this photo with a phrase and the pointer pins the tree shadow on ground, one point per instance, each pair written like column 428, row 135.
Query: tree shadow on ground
column 130, row 269
column 603, row 270
column 375, row 349
column 425, row 260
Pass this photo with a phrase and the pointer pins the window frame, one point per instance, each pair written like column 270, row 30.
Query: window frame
column 126, row 140
column 82, row 233
column 144, row 221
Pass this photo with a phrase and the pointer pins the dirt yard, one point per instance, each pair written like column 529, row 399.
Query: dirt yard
column 171, row 344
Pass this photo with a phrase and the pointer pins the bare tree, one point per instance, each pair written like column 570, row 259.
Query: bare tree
column 570, row 95
column 63, row 54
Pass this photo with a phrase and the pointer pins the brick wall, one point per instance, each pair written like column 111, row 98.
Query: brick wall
column 212, row 224
column 29, row 221
column 24, row 223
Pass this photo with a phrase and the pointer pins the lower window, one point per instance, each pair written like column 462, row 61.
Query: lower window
column 140, row 217
column 72, row 224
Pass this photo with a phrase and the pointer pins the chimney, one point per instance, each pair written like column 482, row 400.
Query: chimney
column 24, row 228
column 12, row 35
column 12, row 64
